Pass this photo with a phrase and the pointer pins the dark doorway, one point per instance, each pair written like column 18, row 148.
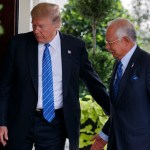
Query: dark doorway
column 8, row 25
column 9, row 22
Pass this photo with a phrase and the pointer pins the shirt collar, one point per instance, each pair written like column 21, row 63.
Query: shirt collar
column 55, row 43
column 125, row 60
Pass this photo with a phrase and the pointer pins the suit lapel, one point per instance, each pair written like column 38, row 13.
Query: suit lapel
column 128, row 73
column 66, row 54
column 32, row 54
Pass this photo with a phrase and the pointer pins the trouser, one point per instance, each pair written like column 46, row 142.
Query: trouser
column 46, row 136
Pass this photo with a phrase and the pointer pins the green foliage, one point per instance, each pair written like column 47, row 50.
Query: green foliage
column 73, row 23
column 97, row 9
column 141, row 14
column 92, row 120
column 103, row 64
column 94, row 10
column 1, row 28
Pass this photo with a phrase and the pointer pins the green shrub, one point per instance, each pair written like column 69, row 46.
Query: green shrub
column 92, row 120
column 102, row 62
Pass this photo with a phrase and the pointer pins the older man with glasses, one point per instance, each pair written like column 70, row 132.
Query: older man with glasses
column 129, row 125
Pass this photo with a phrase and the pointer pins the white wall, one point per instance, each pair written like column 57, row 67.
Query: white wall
column 25, row 7
column 24, row 16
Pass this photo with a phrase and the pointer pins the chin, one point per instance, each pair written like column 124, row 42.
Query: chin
column 40, row 41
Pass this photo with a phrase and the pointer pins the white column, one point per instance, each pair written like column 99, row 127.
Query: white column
column 24, row 16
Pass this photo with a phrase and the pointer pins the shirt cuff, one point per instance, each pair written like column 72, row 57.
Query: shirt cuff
column 103, row 136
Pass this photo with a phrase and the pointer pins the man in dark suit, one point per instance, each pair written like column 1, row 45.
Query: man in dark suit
column 129, row 124
column 33, row 58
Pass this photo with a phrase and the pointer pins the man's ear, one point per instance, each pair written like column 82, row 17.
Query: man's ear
column 127, row 39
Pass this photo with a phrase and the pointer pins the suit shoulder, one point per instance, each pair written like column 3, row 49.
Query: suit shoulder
column 71, row 38
column 144, row 56
column 24, row 36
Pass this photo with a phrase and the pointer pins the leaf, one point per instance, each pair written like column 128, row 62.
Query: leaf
column 92, row 120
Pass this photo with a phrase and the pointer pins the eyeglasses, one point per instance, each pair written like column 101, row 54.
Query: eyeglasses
column 111, row 42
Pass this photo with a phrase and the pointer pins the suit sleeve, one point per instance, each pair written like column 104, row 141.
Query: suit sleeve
column 93, row 82
column 5, row 84
column 106, row 127
column 148, row 81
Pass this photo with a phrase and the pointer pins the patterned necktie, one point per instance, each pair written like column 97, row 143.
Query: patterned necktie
column 118, row 78
column 47, row 83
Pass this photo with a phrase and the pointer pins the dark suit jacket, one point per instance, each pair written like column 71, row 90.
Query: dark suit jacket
column 19, row 86
column 130, row 111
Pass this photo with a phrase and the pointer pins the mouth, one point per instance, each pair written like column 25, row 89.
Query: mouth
column 112, row 52
column 38, row 37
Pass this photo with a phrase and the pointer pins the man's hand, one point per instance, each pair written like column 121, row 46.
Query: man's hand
column 3, row 135
column 98, row 144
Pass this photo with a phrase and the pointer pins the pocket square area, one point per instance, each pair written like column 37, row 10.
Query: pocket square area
column 134, row 77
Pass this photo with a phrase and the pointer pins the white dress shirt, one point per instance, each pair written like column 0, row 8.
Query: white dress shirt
column 55, row 52
column 125, row 60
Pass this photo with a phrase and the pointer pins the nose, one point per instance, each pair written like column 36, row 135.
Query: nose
column 107, row 46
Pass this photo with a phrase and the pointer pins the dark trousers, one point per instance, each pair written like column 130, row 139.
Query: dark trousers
column 47, row 136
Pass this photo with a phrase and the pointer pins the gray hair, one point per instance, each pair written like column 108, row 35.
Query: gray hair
column 47, row 10
column 124, row 28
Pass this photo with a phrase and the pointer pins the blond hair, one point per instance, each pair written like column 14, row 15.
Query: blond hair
column 47, row 10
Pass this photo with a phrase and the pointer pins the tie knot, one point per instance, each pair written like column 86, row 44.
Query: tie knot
column 47, row 44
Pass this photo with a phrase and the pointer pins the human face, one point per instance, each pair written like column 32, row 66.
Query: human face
column 114, row 44
column 43, row 29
